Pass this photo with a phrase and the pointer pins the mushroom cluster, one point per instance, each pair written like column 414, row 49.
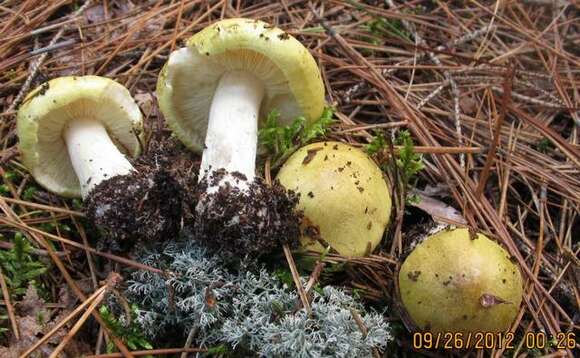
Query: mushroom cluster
column 75, row 135
column 214, row 94
column 79, row 137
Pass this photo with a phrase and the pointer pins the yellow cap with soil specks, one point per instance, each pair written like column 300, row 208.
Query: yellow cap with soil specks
column 346, row 201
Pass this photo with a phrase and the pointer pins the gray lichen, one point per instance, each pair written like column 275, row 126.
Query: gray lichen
column 250, row 310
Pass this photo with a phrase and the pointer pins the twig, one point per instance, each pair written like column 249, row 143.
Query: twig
column 53, row 47
column 531, row 100
column 9, row 306
column 44, row 207
column 372, row 126
column 296, row 278
column 506, row 99
column 431, row 95
column 78, row 325
column 470, row 36
column 52, row 27
column 112, row 257
column 288, row 253
column 63, row 322
column 152, row 352
column 361, row 326
column 314, row 276
column 188, row 341
column 8, row 246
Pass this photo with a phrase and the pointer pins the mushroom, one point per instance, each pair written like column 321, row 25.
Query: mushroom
column 455, row 281
column 214, row 93
column 345, row 199
column 74, row 134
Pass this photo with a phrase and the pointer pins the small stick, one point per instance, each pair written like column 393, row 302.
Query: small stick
column 123, row 260
column 296, row 278
column 44, row 207
column 372, row 126
column 314, row 276
column 288, row 254
column 506, row 99
column 83, row 235
column 531, row 100
column 431, row 95
column 361, row 325
column 188, row 341
column 467, row 37
column 153, row 352
column 40, row 252
column 442, row 150
column 436, row 149
column 60, row 324
column 100, row 340
column 79, row 324
column 53, row 47
column 51, row 27
column 359, row 322
column 9, row 307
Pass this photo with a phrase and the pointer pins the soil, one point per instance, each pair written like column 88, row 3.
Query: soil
column 147, row 205
column 246, row 223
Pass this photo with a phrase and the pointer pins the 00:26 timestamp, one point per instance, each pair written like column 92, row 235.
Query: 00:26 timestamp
column 490, row 340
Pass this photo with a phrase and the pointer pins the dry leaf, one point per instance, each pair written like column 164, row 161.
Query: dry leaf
column 440, row 211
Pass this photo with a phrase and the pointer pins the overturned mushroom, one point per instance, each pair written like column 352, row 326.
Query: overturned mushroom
column 346, row 201
column 74, row 134
column 213, row 94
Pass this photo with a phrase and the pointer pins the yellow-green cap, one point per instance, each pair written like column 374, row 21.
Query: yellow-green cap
column 452, row 282
column 291, row 78
column 346, row 200
column 45, row 111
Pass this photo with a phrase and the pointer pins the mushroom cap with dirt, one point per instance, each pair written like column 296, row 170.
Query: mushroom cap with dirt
column 344, row 196
column 456, row 282
column 75, row 135
column 214, row 94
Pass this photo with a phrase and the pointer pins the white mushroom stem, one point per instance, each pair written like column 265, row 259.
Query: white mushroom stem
column 93, row 154
column 232, row 133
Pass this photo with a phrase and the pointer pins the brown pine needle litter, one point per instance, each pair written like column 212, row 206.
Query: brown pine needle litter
column 490, row 91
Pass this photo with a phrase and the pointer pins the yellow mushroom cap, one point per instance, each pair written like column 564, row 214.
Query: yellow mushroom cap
column 343, row 194
column 45, row 111
column 451, row 283
column 292, row 82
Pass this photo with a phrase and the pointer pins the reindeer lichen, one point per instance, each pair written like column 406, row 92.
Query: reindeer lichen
column 250, row 310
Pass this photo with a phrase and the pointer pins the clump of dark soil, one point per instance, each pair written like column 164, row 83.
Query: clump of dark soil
column 242, row 223
column 136, row 206
column 147, row 205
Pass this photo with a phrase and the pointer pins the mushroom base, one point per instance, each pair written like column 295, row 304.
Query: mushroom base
column 248, row 222
column 145, row 205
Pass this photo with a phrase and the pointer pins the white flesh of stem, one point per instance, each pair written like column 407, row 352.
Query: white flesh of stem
column 232, row 134
column 93, row 154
